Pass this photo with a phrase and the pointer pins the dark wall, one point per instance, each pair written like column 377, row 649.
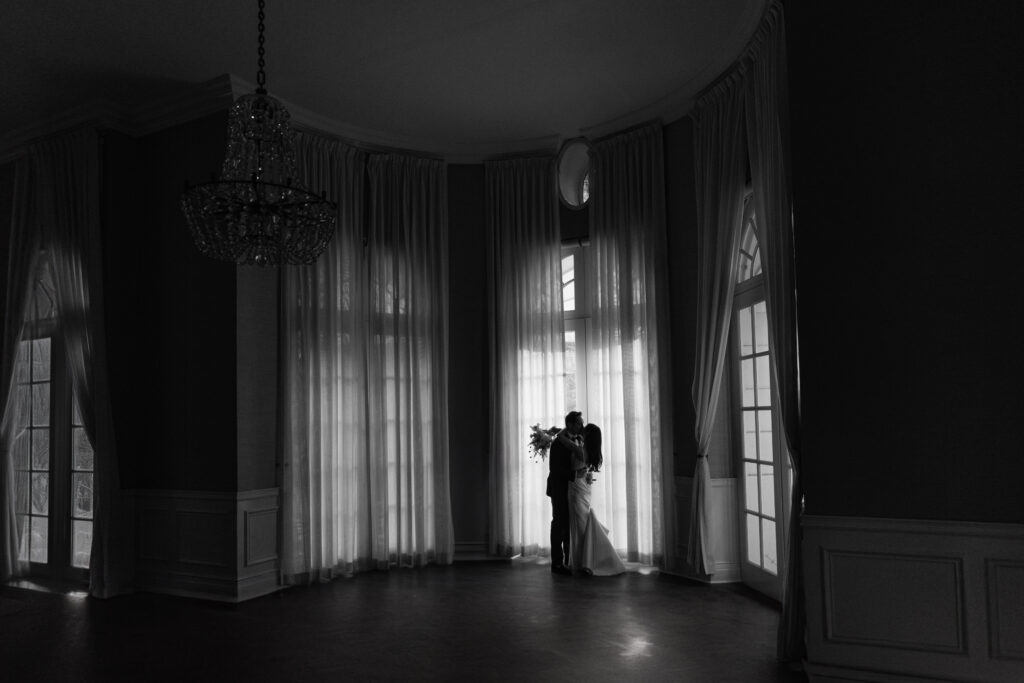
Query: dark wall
column 170, row 315
column 6, row 207
column 468, row 373
column 681, row 229
column 573, row 224
column 256, row 380
column 908, row 203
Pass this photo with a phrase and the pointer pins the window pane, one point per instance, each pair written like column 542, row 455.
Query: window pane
column 747, row 375
column 82, row 451
column 568, row 268
column 753, row 540
column 767, row 489
column 771, row 560
column 41, row 359
column 764, row 382
column 764, row 434
column 23, row 537
column 76, row 414
column 569, row 296
column 569, row 282
column 81, row 543
column 40, row 494
column 81, row 495
column 743, row 271
column 760, row 327
column 41, row 405
column 23, row 411
column 748, row 252
column 749, row 435
column 39, row 540
column 750, row 485
column 570, row 368
column 21, row 363
column 746, row 341
column 40, row 449
column 21, row 491
column 21, row 450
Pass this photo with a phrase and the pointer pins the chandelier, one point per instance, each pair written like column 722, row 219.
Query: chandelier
column 258, row 212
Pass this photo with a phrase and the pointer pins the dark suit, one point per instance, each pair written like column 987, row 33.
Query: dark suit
column 559, row 474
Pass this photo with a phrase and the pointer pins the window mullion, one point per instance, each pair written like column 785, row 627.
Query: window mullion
column 60, row 459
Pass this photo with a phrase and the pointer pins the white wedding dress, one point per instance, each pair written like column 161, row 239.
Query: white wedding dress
column 590, row 549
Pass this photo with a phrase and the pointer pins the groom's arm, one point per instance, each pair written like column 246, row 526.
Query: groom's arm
column 574, row 447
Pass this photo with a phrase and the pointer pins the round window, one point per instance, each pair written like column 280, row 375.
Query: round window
column 573, row 173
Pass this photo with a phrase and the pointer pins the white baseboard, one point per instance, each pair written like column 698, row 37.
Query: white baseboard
column 472, row 551
column 910, row 600
column 725, row 544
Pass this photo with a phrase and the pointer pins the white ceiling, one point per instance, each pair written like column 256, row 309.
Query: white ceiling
column 445, row 77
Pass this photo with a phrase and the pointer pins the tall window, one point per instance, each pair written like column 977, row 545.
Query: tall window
column 53, row 459
column 764, row 469
column 576, row 307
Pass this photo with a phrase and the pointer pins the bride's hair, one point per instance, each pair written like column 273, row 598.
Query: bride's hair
column 592, row 442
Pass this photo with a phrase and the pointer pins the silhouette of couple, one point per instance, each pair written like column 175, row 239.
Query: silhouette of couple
column 579, row 542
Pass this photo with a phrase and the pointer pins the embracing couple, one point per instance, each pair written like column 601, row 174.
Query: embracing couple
column 579, row 543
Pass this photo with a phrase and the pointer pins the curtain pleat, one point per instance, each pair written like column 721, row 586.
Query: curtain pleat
column 67, row 181
column 720, row 170
column 526, row 332
column 628, row 354
column 408, row 358
column 364, row 348
column 323, row 314
column 22, row 261
column 767, row 133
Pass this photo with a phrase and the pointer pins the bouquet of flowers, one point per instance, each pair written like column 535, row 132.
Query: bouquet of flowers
column 540, row 441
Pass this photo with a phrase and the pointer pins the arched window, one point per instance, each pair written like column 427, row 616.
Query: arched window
column 53, row 459
column 763, row 467
column 750, row 251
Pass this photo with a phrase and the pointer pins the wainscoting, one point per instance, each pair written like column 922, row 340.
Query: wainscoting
column 905, row 600
column 212, row 545
column 471, row 551
column 725, row 541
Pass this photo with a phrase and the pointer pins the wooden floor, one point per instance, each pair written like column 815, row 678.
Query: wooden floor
column 470, row 621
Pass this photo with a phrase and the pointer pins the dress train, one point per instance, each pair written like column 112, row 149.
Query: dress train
column 591, row 549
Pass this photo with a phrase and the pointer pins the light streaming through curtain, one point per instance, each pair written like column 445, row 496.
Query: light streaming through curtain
column 628, row 353
column 526, row 339
column 365, row 391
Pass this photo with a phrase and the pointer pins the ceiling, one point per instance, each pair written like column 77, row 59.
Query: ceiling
column 446, row 77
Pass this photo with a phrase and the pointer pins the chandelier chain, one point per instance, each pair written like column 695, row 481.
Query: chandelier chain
column 261, row 77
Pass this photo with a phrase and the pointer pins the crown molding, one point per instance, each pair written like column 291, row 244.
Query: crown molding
column 450, row 151
column 680, row 101
column 170, row 110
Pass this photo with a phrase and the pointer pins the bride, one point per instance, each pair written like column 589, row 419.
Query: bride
column 591, row 551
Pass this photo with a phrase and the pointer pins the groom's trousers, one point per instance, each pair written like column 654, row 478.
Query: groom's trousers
column 560, row 527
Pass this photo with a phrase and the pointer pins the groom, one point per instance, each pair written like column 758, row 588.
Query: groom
column 559, row 473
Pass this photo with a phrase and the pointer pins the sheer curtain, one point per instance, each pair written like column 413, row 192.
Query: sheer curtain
column 408, row 357
column 57, row 218
column 527, row 344
column 22, row 262
column 365, row 481
column 767, row 132
column 720, row 170
column 628, row 354
column 67, row 197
